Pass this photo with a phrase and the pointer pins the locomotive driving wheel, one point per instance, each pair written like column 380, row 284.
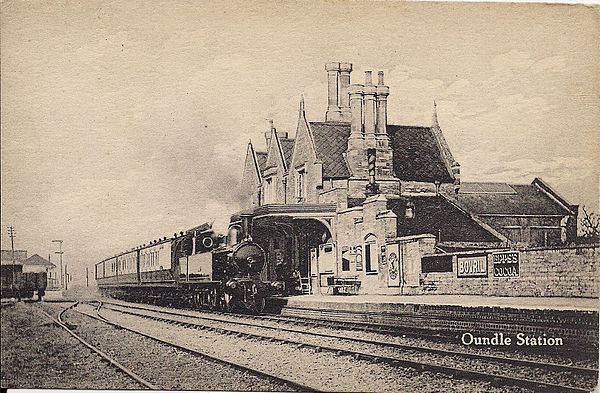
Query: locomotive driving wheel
column 256, row 305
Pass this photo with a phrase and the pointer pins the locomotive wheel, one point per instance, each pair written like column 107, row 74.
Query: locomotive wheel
column 258, row 305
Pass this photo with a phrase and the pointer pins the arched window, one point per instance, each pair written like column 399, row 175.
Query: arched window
column 371, row 255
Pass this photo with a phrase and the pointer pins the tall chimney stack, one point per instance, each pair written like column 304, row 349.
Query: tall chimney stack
column 345, row 70
column 355, row 93
column 382, row 94
column 369, row 103
column 333, row 94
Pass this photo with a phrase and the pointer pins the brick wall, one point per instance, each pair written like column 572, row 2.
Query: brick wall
column 567, row 271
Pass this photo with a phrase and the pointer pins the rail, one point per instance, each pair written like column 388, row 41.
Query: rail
column 58, row 321
column 460, row 372
column 237, row 366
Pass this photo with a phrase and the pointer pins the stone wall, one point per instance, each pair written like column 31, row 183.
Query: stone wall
column 567, row 271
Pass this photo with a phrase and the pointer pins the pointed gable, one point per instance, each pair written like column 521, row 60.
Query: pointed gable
column 275, row 153
column 252, row 163
column 304, row 145
column 251, row 177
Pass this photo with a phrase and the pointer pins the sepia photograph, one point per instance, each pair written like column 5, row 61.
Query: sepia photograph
column 286, row 196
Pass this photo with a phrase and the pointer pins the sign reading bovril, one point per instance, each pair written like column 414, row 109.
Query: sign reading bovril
column 472, row 266
column 506, row 264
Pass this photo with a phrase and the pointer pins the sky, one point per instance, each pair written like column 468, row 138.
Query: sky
column 125, row 121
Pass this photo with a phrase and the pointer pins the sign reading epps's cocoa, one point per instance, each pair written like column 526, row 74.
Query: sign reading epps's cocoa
column 506, row 264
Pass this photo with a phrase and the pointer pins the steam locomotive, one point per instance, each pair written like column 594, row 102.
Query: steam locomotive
column 197, row 268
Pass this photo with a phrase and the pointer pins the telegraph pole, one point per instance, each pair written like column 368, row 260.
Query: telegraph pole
column 12, row 233
column 60, row 254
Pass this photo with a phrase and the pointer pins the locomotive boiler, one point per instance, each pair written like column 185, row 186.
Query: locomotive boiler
column 197, row 268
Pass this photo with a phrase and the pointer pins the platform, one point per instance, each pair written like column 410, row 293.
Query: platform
column 530, row 303
column 574, row 319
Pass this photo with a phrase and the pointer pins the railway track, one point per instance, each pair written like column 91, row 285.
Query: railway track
column 69, row 328
column 436, row 360
column 292, row 385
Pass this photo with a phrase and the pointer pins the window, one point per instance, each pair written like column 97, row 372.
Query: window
column 301, row 184
column 345, row 264
column 545, row 236
column 269, row 191
column 371, row 254
column 359, row 261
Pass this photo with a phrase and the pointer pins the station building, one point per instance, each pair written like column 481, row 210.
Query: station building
column 25, row 264
column 379, row 207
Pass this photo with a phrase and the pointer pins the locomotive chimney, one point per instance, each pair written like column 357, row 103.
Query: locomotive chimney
column 247, row 226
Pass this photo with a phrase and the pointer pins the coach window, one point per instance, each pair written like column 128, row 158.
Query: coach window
column 371, row 254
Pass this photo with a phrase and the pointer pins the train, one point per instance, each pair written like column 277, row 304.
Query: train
column 14, row 283
column 197, row 268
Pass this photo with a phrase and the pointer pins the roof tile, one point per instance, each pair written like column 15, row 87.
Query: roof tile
column 495, row 198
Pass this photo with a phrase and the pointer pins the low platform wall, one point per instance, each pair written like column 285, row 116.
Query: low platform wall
column 578, row 329
column 565, row 272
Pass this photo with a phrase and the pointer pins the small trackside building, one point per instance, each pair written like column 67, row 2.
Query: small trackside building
column 357, row 201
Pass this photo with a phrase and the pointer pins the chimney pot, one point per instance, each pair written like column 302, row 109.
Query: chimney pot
column 368, row 78
column 380, row 78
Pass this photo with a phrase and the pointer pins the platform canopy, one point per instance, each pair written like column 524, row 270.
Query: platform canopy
column 304, row 210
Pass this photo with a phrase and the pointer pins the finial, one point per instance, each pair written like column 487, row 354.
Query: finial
column 434, row 120
column 302, row 103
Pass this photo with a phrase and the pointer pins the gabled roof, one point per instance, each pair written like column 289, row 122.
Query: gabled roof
column 440, row 217
column 261, row 157
column 281, row 147
column 287, row 146
column 331, row 141
column 505, row 199
column 36, row 260
column 417, row 155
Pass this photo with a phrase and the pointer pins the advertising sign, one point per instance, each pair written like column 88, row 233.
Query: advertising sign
column 472, row 266
column 506, row 264
column 393, row 265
